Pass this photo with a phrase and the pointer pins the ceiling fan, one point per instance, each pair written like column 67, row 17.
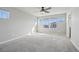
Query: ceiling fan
column 44, row 9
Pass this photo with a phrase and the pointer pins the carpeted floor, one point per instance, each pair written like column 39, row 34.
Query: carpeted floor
column 39, row 43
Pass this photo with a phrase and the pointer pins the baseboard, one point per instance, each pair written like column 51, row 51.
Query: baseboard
column 75, row 45
column 3, row 42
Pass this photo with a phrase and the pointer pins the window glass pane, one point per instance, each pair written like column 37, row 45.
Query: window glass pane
column 58, row 19
column 43, row 21
column 4, row 14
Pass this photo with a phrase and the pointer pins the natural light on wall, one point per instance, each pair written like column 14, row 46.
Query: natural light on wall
column 4, row 14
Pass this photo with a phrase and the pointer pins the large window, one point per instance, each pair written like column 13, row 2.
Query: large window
column 50, row 22
column 4, row 14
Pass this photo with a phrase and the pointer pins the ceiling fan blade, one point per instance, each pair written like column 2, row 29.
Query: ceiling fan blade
column 46, row 11
column 41, row 10
column 48, row 8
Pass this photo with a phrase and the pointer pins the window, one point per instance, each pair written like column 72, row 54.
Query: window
column 53, row 25
column 44, row 23
column 57, row 19
column 4, row 14
column 52, row 22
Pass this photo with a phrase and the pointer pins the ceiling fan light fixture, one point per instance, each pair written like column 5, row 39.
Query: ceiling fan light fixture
column 45, row 10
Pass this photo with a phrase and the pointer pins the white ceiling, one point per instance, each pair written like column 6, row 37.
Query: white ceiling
column 36, row 10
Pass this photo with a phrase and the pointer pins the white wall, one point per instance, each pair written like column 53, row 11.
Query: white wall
column 75, row 27
column 19, row 23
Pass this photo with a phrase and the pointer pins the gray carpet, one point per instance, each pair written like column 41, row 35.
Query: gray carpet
column 39, row 43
